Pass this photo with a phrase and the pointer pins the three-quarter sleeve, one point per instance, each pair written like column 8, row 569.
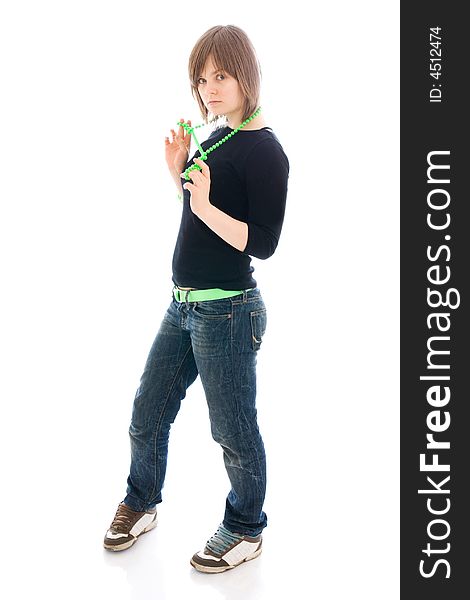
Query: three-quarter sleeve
column 267, row 173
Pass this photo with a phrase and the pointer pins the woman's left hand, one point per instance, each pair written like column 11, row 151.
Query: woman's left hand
column 199, row 188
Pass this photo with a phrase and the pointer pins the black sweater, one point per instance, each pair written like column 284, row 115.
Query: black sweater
column 249, row 174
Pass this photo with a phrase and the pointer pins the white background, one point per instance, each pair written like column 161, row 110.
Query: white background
column 88, row 223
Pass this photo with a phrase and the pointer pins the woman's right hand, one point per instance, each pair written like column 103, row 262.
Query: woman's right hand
column 177, row 151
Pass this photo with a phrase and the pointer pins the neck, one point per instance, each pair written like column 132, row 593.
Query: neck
column 233, row 121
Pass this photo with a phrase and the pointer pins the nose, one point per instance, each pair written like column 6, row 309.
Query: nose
column 212, row 90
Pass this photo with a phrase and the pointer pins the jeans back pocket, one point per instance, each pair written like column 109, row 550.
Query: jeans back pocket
column 258, row 320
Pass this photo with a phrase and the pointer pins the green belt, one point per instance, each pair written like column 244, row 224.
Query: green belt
column 199, row 295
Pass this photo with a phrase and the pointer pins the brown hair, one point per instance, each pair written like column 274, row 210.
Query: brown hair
column 231, row 51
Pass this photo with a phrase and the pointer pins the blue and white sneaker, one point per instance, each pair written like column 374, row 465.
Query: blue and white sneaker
column 226, row 550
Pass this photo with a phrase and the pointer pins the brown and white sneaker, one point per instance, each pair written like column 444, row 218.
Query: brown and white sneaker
column 226, row 550
column 127, row 525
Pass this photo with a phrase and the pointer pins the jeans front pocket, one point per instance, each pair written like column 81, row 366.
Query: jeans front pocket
column 214, row 309
column 258, row 320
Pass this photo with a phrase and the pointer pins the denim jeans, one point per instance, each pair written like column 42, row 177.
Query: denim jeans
column 219, row 340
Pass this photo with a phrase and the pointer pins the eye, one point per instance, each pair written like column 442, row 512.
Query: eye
column 219, row 76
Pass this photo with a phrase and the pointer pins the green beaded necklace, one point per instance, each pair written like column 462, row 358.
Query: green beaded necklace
column 204, row 153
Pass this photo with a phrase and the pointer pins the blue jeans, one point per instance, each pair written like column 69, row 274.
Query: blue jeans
column 219, row 340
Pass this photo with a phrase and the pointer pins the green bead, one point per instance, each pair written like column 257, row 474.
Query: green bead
column 203, row 156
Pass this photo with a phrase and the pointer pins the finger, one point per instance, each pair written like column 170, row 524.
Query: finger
column 183, row 146
column 197, row 177
column 181, row 142
column 191, row 176
column 182, row 137
column 186, row 133
column 204, row 166
column 196, row 172
column 189, row 186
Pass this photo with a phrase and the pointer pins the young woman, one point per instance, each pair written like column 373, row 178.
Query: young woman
column 233, row 208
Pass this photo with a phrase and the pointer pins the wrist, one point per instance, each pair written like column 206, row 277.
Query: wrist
column 205, row 211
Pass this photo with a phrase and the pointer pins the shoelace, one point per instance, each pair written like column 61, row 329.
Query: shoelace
column 122, row 519
column 222, row 540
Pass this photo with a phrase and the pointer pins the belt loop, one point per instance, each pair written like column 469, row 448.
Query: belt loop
column 186, row 299
column 245, row 294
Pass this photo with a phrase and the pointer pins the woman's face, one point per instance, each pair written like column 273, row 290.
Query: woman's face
column 220, row 93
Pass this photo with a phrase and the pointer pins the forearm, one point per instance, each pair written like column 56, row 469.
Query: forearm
column 178, row 181
column 231, row 230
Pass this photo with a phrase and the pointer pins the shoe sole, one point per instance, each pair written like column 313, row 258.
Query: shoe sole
column 207, row 569
column 131, row 542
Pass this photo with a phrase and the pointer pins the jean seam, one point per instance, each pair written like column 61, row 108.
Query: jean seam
column 159, row 423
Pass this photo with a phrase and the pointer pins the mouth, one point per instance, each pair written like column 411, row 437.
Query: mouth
column 213, row 102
